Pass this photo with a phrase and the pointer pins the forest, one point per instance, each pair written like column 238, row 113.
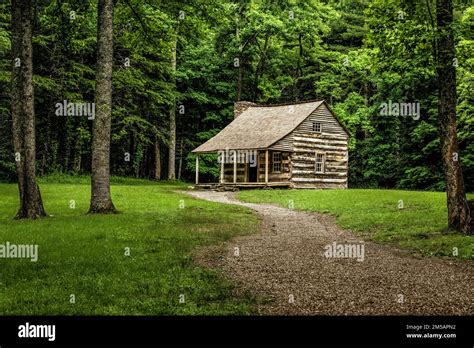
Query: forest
column 103, row 104
column 179, row 66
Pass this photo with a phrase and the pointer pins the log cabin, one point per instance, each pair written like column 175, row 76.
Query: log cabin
column 297, row 145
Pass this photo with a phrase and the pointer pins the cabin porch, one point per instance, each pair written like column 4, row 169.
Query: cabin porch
column 242, row 185
column 250, row 169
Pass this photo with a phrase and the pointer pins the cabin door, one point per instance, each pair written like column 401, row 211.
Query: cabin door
column 252, row 173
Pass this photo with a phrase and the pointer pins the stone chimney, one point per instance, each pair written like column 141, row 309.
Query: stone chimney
column 241, row 106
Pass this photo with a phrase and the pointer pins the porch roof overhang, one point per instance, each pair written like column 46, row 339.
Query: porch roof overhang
column 228, row 149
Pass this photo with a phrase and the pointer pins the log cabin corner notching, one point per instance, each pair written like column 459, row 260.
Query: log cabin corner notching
column 299, row 145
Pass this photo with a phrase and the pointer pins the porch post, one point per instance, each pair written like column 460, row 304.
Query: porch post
column 235, row 167
column 266, row 166
column 197, row 169
column 222, row 170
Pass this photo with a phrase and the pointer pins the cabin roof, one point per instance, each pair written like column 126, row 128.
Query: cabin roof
column 260, row 126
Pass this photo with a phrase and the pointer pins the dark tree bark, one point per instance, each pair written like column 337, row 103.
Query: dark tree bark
column 458, row 210
column 172, row 145
column 180, row 162
column 157, row 153
column 23, row 113
column 101, row 201
column 260, row 69
column 77, row 156
column 240, row 74
column 239, row 80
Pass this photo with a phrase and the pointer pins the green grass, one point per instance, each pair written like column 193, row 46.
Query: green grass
column 419, row 227
column 85, row 255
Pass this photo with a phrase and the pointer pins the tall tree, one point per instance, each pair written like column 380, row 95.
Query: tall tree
column 172, row 141
column 157, row 172
column 101, row 201
column 23, row 113
column 458, row 210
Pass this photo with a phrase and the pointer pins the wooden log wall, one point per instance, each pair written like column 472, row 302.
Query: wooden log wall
column 229, row 172
column 285, row 173
column 304, row 143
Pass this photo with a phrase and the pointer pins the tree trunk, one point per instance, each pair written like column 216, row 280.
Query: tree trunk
column 239, row 80
column 101, row 201
column 157, row 159
column 77, row 155
column 260, row 69
column 458, row 210
column 172, row 145
column 299, row 69
column 180, row 163
column 23, row 113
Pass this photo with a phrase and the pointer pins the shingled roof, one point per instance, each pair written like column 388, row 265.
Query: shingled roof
column 260, row 126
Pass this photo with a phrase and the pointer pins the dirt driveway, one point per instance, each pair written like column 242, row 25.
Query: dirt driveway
column 288, row 262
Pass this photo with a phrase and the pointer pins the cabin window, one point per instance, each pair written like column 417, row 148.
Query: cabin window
column 317, row 127
column 276, row 162
column 319, row 167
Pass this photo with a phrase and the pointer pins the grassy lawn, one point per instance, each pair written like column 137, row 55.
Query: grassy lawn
column 84, row 255
column 419, row 226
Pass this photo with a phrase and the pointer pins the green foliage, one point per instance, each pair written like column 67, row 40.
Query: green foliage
column 355, row 54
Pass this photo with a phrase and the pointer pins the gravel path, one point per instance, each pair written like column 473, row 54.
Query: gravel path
column 286, row 264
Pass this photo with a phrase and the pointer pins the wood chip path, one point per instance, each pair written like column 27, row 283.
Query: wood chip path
column 285, row 263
